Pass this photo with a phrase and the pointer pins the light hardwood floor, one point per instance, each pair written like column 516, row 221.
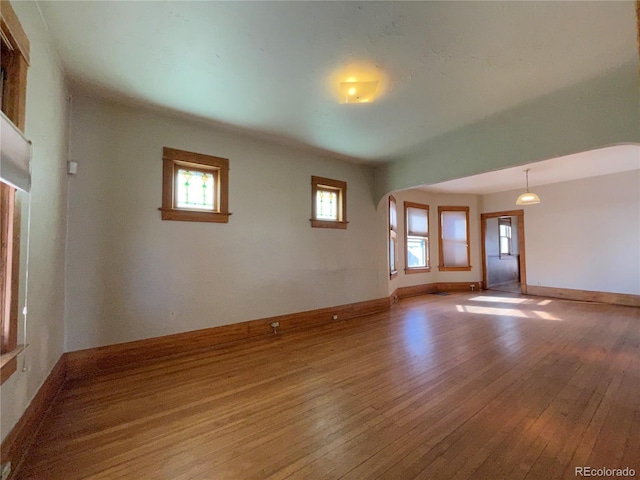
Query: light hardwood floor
column 465, row 386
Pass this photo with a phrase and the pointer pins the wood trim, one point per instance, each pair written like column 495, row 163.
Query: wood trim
column 408, row 270
column 521, row 245
column 7, row 369
column 328, row 224
column 15, row 60
column 425, row 288
column 625, row 299
column 194, row 216
column 16, row 445
column 441, row 266
column 172, row 158
column 392, row 237
column 87, row 362
column 316, row 184
column 9, row 275
column 13, row 30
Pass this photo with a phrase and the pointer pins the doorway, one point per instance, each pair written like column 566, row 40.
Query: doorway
column 503, row 251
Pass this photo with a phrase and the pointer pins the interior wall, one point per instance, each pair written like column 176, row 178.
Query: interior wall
column 601, row 111
column 583, row 235
column 133, row 276
column 434, row 200
column 46, row 126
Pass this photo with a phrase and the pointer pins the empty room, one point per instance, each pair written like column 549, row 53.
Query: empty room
column 320, row 240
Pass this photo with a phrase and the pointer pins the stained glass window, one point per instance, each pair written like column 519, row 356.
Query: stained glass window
column 195, row 189
column 327, row 204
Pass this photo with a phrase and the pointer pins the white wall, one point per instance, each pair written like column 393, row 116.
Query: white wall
column 46, row 127
column 602, row 111
column 133, row 276
column 584, row 235
column 433, row 201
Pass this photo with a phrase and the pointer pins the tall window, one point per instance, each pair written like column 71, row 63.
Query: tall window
column 393, row 237
column 453, row 223
column 416, row 225
column 504, row 227
column 195, row 187
column 328, row 203
column 14, row 60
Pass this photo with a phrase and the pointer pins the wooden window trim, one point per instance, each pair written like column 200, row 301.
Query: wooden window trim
column 393, row 237
column 14, row 99
column 317, row 183
column 15, row 61
column 412, row 270
column 441, row 266
column 504, row 221
column 172, row 160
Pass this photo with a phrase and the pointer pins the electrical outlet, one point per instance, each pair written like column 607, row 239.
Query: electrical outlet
column 6, row 471
column 335, row 317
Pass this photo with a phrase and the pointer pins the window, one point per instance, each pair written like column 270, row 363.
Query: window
column 328, row 203
column 14, row 60
column 453, row 223
column 393, row 237
column 195, row 187
column 504, row 227
column 416, row 229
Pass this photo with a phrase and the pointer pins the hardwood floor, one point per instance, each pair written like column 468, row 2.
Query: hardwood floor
column 464, row 386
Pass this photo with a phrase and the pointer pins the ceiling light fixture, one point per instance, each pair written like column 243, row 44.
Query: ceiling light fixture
column 358, row 92
column 528, row 198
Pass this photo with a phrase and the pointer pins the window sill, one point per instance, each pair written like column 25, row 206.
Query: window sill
column 417, row 270
column 393, row 275
column 9, row 363
column 194, row 215
column 455, row 269
column 328, row 224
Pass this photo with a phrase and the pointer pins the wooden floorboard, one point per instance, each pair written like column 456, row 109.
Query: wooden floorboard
column 488, row 385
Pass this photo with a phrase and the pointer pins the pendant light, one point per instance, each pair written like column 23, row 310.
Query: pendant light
column 528, row 198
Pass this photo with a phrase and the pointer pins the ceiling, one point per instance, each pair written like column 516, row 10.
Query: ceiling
column 604, row 161
column 270, row 68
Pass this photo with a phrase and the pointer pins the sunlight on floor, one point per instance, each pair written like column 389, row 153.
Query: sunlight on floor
column 501, row 299
column 509, row 312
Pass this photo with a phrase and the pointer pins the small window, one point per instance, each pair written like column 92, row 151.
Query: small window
column 504, row 226
column 328, row 203
column 416, row 237
column 393, row 237
column 195, row 187
column 453, row 223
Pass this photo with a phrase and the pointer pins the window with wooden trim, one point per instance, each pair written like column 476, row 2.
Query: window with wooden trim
column 504, row 233
column 195, row 187
column 393, row 237
column 14, row 61
column 453, row 225
column 416, row 229
column 328, row 203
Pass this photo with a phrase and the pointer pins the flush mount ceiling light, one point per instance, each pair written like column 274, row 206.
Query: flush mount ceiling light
column 528, row 198
column 358, row 92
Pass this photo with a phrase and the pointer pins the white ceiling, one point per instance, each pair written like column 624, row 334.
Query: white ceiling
column 271, row 67
column 604, row 161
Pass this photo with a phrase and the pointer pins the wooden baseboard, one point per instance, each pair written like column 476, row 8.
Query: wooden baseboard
column 16, row 445
column 414, row 290
column 87, row 362
column 625, row 299
column 83, row 363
